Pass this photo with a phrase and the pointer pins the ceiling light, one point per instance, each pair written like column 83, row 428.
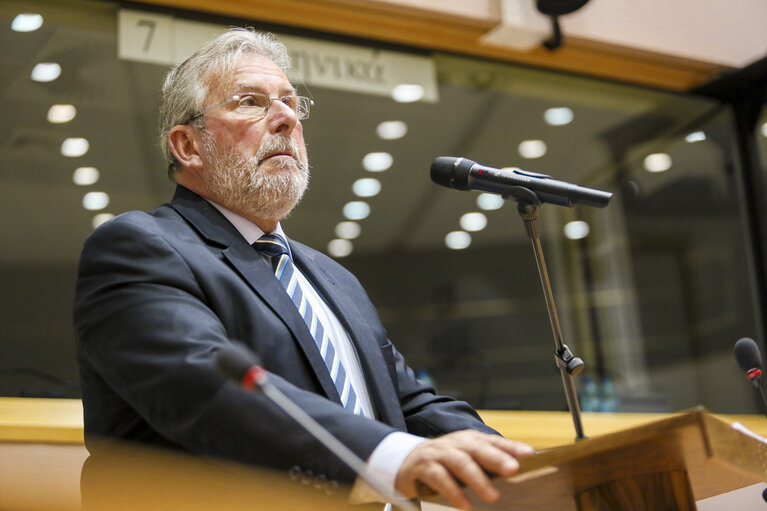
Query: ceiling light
column 658, row 162
column 696, row 136
column 458, row 240
column 101, row 218
column 356, row 210
column 74, row 147
column 558, row 116
column 366, row 187
column 45, row 72
column 94, row 201
column 27, row 22
column 348, row 230
column 764, row 129
column 489, row 201
column 340, row 248
column 61, row 113
column 391, row 130
column 377, row 162
column 85, row 176
column 473, row 222
column 532, row 149
column 576, row 230
column 407, row 93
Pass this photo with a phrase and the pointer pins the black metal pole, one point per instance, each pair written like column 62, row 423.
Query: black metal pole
column 568, row 364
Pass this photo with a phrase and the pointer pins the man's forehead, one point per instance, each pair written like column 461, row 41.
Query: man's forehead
column 250, row 86
column 258, row 74
column 229, row 85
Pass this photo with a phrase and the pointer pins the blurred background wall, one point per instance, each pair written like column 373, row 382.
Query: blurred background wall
column 661, row 104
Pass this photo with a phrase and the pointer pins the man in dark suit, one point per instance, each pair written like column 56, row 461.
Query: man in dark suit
column 159, row 293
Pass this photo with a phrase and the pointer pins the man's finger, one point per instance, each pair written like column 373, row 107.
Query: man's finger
column 471, row 474
column 438, row 478
column 513, row 447
column 494, row 454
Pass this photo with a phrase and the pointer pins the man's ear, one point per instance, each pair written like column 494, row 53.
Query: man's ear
column 184, row 143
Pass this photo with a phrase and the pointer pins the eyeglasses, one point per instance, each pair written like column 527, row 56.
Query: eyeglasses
column 256, row 105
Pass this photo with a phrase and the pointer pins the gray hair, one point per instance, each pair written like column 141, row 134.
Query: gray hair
column 188, row 84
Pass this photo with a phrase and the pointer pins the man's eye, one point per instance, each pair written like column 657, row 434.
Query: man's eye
column 290, row 101
column 252, row 101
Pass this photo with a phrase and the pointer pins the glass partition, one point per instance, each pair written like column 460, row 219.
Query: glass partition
column 652, row 296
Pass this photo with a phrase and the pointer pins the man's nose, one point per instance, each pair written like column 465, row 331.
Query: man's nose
column 281, row 118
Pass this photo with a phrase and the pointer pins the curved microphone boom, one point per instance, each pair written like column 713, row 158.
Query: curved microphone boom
column 464, row 174
column 243, row 366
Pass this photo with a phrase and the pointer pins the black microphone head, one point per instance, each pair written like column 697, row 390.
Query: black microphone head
column 235, row 360
column 451, row 172
column 747, row 354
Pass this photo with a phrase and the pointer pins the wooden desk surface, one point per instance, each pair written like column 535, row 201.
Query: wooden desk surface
column 61, row 421
column 548, row 429
column 57, row 421
column 41, row 446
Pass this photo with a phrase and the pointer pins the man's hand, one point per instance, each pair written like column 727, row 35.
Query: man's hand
column 462, row 457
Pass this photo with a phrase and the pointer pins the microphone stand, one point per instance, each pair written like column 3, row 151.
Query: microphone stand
column 528, row 204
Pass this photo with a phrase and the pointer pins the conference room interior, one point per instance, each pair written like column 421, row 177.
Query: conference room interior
column 652, row 291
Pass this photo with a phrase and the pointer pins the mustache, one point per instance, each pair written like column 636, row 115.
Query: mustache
column 278, row 144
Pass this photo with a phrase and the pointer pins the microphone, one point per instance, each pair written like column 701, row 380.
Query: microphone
column 749, row 359
column 464, row 174
column 243, row 366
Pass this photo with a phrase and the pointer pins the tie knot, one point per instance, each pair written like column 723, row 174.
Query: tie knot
column 271, row 245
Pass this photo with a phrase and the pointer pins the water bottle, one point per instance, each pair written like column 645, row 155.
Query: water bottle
column 589, row 395
column 610, row 401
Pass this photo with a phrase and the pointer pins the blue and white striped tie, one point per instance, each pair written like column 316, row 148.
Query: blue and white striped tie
column 275, row 247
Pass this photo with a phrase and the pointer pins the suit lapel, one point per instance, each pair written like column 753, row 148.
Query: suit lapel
column 216, row 229
column 377, row 377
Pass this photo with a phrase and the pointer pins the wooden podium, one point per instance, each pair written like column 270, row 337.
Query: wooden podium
column 664, row 465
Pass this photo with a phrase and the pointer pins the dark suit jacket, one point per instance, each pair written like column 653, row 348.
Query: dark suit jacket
column 159, row 293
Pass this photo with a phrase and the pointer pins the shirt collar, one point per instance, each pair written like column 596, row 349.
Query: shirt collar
column 250, row 231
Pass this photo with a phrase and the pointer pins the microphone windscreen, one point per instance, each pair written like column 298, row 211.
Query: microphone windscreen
column 747, row 354
column 451, row 172
column 235, row 360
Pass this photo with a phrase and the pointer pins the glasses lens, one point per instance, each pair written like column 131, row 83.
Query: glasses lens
column 253, row 103
column 257, row 105
column 304, row 105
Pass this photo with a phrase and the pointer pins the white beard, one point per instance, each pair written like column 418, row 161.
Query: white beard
column 241, row 184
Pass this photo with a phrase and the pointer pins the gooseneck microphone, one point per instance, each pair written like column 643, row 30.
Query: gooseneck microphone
column 464, row 174
column 243, row 366
column 749, row 359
